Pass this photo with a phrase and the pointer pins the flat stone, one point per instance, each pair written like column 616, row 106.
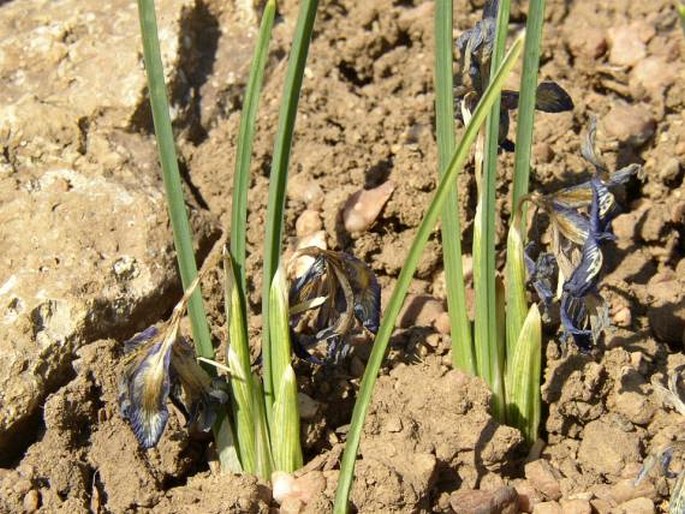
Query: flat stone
column 547, row 508
column 633, row 125
column 49, row 67
column 501, row 501
column 627, row 48
column 79, row 264
column 636, row 506
column 543, row 478
column 88, row 251
column 606, row 449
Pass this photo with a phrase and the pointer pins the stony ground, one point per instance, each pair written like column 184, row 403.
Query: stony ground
column 88, row 258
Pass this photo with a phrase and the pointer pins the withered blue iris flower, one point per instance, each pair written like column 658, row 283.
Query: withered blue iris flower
column 542, row 271
column 475, row 48
column 349, row 295
column 160, row 366
column 144, row 388
column 581, row 305
column 580, row 218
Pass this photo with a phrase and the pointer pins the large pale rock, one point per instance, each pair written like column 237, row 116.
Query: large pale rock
column 606, row 448
column 81, row 57
column 83, row 258
column 87, row 248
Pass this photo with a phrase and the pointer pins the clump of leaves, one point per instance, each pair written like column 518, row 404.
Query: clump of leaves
column 580, row 217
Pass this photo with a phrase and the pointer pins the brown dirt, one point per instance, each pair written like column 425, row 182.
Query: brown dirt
column 366, row 116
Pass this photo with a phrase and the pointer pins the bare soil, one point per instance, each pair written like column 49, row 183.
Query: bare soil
column 366, row 116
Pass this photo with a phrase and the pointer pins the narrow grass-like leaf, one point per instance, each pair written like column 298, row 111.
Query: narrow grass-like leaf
column 515, row 282
column 180, row 225
column 238, row 359
column 460, row 327
column 526, row 106
column 172, row 179
column 285, row 430
column 404, row 280
column 281, row 350
column 279, row 177
column 488, row 362
column 265, row 464
column 523, row 377
column 241, row 177
column 517, row 306
column 229, row 459
column 680, row 8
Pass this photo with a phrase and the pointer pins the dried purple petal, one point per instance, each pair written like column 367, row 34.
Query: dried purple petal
column 144, row 389
column 541, row 273
column 551, row 97
column 584, row 318
column 157, row 361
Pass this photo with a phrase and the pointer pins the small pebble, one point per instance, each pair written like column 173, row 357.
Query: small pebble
column 627, row 49
column 623, row 317
column 303, row 188
column 442, row 323
column 313, row 196
column 636, row 506
column 308, row 223
column 670, row 170
column 528, row 496
column 433, row 340
column 31, row 501
column 363, row 208
column 542, row 477
column 282, row 485
column 547, row 508
column 626, row 490
column 303, row 263
column 502, row 500
column 630, row 124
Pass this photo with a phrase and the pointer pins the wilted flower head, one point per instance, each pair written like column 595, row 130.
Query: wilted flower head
column 341, row 291
column 661, row 459
column 475, row 48
column 161, row 365
column 580, row 218
column 542, row 272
